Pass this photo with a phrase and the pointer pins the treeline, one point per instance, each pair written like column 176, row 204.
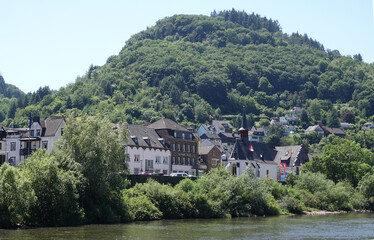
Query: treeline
column 196, row 68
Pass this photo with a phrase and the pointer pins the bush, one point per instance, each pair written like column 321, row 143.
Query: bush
column 173, row 203
column 291, row 204
column 141, row 208
column 16, row 197
column 366, row 188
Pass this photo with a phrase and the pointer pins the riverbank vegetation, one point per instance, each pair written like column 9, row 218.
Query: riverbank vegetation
column 84, row 181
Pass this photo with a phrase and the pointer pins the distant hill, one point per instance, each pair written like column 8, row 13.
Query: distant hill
column 192, row 68
column 8, row 90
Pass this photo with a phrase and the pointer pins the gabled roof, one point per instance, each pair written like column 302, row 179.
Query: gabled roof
column 336, row 131
column 313, row 128
column 204, row 150
column 209, row 136
column 142, row 134
column 165, row 123
column 221, row 123
column 287, row 152
column 51, row 125
column 229, row 135
column 241, row 151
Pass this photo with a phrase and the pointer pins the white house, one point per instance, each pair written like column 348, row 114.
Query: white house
column 22, row 142
column 147, row 151
column 315, row 128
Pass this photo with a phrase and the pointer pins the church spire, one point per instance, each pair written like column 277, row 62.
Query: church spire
column 244, row 127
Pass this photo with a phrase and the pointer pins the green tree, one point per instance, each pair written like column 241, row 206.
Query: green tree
column 342, row 159
column 333, row 118
column 98, row 153
column 55, row 191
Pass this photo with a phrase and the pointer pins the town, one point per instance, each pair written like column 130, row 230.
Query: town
column 165, row 147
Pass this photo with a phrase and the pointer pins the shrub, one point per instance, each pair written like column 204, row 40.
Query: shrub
column 291, row 204
column 141, row 208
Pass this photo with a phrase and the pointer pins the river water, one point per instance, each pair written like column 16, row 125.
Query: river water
column 335, row 226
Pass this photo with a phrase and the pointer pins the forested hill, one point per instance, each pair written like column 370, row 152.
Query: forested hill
column 193, row 68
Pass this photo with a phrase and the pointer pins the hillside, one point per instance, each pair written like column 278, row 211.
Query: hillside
column 193, row 68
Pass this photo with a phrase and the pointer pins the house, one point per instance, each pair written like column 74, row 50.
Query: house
column 146, row 150
column 282, row 120
column 2, row 145
column 288, row 130
column 210, row 156
column 290, row 159
column 345, row 125
column 22, row 142
column 205, row 128
column 257, row 134
column 297, row 110
column 316, row 128
column 13, row 145
column 182, row 143
column 336, row 131
column 258, row 156
column 368, row 125
column 222, row 126
column 228, row 138
column 292, row 118
column 212, row 137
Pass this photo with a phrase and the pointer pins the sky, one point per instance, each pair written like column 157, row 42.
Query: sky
column 51, row 43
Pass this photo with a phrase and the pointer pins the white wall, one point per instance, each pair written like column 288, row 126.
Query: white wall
column 263, row 168
column 150, row 154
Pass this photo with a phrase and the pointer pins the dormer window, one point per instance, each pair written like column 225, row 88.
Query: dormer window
column 38, row 132
column 32, row 133
column 134, row 139
column 146, row 140
column 162, row 141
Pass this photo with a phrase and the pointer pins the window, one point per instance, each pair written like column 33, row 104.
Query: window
column 173, row 146
column 173, row 160
column 136, row 158
column 184, row 148
column 175, row 134
column 32, row 133
column 188, row 148
column 12, row 146
column 183, row 135
column 193, row 162
column 179, row 147
column 188, row 161
column 148, row 165
column 183, row 161
column 165, row 160
column 38, row 132
column 214, row 162
column 193, row 148
column 179, row 160
column 45, row 145
column 158, row 159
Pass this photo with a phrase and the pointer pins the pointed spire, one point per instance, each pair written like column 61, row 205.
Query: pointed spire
column 244, row 127
column 244, row 121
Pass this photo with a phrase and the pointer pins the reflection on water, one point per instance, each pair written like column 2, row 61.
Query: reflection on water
column 336, row 226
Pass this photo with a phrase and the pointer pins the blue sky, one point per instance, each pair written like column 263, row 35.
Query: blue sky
column 50, row 42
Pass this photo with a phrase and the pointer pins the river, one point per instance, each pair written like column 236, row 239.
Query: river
column 334, row 226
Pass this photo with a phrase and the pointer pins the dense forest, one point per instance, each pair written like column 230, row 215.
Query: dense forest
column 192, row 68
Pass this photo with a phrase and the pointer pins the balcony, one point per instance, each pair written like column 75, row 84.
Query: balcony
column 26, row 151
